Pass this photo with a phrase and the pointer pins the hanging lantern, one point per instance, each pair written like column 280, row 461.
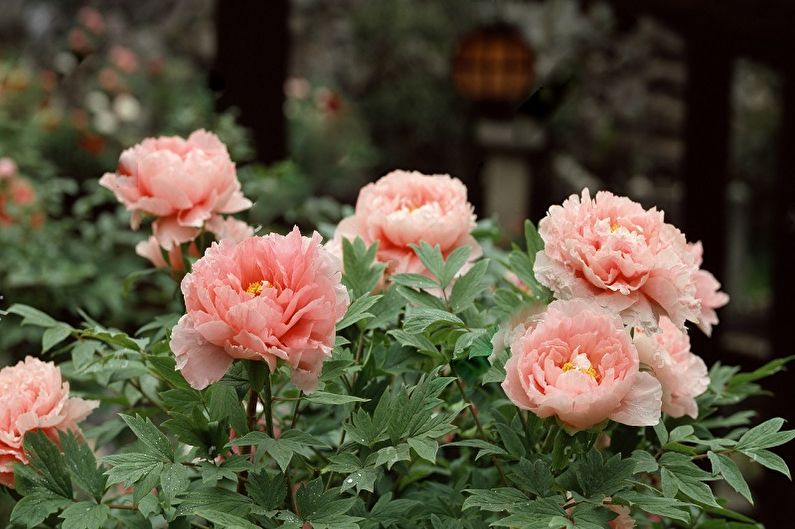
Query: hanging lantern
column 494, row 66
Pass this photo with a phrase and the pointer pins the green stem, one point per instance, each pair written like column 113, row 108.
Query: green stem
column 296, row 410
column 477, row 421
column 267, row 401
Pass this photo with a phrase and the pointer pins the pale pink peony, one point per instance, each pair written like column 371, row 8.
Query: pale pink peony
column 682, row 374
column 625, row 258
column 8, row 168
column 184, row 183
column 34, row 397
column 577, row 362
column 265, row 298
column 229, row 228
column 707, row 292
column 404, row 208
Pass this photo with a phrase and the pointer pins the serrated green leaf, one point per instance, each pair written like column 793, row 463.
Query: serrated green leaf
column 494, row 500
column 84, row 515
column 131, row 467
column 267, row 491
column 224, row 403
column 216, row 499
column 469, row 286
column 424, row 447
column 150, row 435
column 48, row 462
column 357, row 311
column 420, row 319
column 414, row 281
column 662, row 506
column 174, row 479
column 83, row 465
column 431, row 257
column 35, row 507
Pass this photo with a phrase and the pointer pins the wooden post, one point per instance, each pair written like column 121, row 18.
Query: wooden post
column 251, row 67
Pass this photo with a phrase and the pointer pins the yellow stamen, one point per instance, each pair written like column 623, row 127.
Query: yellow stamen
column 255, row 288
column 590, row 371
column 614, row 227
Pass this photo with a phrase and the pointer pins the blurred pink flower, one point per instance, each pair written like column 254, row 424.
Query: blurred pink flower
column 8, row 168
column 707, row 292
column 109, row 80
column 265, row 298
column 609, row 249
column 576, row 362
column 79, row 42
column 183, row 183
column 124, row 59
column 623, row 520
column 21, row 192
column 404, row 208
column 34, row 397
column 91, row 19
column 682, row 374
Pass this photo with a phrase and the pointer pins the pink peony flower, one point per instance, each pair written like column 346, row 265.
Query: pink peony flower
column 404, row 208
column 8, row 168
column 91, row 19
column 229, row 228
column 625, row 258
column 21, row 192
column 124, row 59
column 184, row 183
column 683, row 375
column 34, row 397
column 577, row 362
column 707, row 292
column 265, row 298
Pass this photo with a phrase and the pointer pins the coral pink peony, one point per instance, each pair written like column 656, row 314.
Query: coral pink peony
column 683, row 375
column 124, row 59
column 34, row 397
column 265, row 298
column 625, row 258
column 404, row 208
column 707, row 292
column 577, row 362
column 184, row 183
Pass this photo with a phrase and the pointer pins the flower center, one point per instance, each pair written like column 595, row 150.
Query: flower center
column 614, row 227
column 581, row 364
column 255, row 288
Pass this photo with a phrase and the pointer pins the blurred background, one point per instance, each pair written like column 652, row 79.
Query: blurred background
column 687, row 105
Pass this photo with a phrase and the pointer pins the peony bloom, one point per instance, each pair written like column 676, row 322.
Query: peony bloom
column 124, row 59
column 265, row 298
column 404, row 208
column 625, row 258
column 184, row 183
column 34, row 397
column 683, row 375
column 577, row 362
column 21, row 192
column 8, row 168
column 707, row 292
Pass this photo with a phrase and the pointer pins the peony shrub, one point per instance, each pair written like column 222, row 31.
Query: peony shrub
column 398, row 375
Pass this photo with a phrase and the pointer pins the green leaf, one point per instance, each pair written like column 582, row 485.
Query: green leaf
column 768, row 459
column 225, row 520
column 83, row 465
column 727, row 468
column 469, row 286
column 532, row 239
column 455, row 261
column 598, row 478
column 362, row 479
column 662, row 506
column 357, row 311
column 361, row 272
column 84, row 515
column 150, row 435
column 494, row 500
column 216, row 499
column 662, row 432
column 420, row 319
column 431, row 257
column 131, row 467
column 425, row 448
column 536, row 514
column 414, row 281
column 390, row 455
column 267, row 491
column 486, row 448
column 36, row 507
column 54, row 335
column 323, row 397
column 766, row 435
column 83, row 353
column 31, row 316
column 47, row 460
column 534, row 477
column 644, row 462
column 224, row 403
column 174, row 480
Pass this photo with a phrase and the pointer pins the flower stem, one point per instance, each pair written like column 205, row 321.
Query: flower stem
column 475, row 418
column 267, row 401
